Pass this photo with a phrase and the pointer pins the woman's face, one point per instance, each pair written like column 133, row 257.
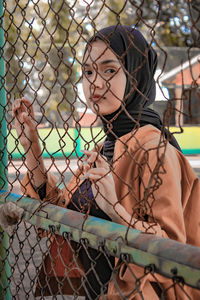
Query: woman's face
column 104, row 80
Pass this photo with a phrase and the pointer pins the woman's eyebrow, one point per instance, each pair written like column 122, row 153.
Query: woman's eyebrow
column 104, row 62
column 108, row 61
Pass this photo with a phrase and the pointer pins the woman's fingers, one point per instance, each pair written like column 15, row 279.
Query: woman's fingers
column 28, row 106
column 28, row 120
column 91, row 156
column 92, row 176
column 16, row 106
column 95, row 157
column 98, row 174
column 103, row 185
column 88, row 161
column 25, row 124
column 22, row 105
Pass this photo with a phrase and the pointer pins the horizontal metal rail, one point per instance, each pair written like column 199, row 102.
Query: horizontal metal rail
column 167, row 257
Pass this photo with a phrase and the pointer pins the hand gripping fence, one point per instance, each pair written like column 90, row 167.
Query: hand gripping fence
column 58, row 250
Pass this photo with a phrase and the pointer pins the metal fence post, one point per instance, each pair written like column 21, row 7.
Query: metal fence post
column 4, row 240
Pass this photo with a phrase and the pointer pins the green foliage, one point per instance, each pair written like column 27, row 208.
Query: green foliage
column 169, row 21
column 40, row 58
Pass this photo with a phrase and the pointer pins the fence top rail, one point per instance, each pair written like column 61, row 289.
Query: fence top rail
column 167, row 257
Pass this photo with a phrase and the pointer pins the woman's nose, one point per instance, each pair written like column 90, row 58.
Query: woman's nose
column 98, row 81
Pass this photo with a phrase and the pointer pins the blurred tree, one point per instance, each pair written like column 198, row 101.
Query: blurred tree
column 58, row 69
column 40, row 55
column 194, row 8
column 16, row 36
column 170, row 19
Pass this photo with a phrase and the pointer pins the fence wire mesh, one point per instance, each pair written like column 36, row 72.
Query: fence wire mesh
column 138, row 178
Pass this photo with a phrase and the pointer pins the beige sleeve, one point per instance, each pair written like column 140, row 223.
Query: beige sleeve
column 28, row 188
column 161, row 191
column 54, row 195
column 161, row 186
column 153, row 186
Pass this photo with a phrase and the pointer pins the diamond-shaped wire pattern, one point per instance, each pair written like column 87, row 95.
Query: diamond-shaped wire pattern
column 46, row 258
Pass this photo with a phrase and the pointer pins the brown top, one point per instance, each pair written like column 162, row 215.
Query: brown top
column 164, row 188
column 159, row 188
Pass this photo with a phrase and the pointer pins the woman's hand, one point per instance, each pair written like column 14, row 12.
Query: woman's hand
column 27, row 133
column 24, row 122
column 103, row 185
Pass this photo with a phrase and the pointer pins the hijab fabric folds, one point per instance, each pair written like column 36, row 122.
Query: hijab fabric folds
column 139, row 60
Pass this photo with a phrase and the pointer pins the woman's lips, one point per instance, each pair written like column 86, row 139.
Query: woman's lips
column 96, row 97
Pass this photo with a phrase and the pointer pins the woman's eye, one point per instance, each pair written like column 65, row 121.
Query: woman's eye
column 87, row 73
column 110, row 71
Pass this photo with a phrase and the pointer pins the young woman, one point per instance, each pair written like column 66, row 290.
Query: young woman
column 138, row 177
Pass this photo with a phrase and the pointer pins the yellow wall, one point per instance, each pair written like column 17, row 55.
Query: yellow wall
column 189, row 139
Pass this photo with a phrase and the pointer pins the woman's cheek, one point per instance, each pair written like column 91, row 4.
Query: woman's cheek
column 85, row 90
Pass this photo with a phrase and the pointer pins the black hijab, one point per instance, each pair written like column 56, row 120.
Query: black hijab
column 140, row 62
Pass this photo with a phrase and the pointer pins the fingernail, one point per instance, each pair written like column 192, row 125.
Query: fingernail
column 85, row 176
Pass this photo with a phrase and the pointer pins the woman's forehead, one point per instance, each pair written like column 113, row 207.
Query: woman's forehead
column 98, row 51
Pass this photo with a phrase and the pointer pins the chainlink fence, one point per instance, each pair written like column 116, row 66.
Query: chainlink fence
column 61, row 251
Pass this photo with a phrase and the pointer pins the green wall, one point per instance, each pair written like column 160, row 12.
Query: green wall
column 60, row 142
